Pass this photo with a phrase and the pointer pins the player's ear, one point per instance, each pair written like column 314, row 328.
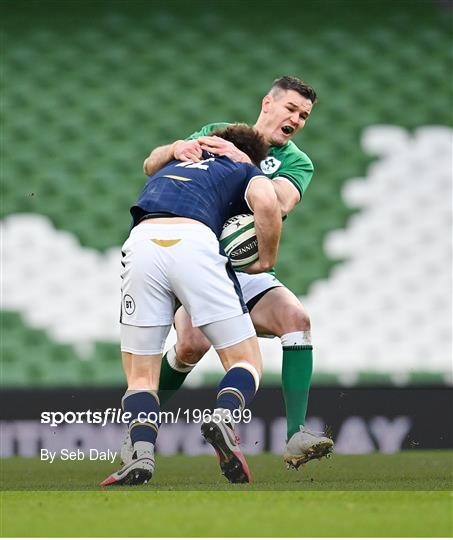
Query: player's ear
column 266, row 103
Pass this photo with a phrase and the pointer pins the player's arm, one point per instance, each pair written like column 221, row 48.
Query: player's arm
column 293, row 179
column 287, row 194
column 221, row 147
column 189, row 149
column 262, row 200
column 182, row 150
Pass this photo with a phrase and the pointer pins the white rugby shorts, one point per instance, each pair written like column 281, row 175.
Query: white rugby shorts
column 163, row 262
column 254, row 284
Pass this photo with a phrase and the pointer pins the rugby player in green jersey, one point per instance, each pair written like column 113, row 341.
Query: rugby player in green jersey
column 274, row 309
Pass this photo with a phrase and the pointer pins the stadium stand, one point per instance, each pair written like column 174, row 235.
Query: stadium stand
column 88, row 94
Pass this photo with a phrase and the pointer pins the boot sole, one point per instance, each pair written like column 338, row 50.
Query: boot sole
column 233, row 465
column 318, row 451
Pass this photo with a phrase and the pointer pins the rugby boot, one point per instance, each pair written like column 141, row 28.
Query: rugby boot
column 304, row 446
column 136, row 472
column 221, row 436
column 127, row 450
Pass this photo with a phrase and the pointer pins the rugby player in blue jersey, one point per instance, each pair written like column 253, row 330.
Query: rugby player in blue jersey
column 173, row 253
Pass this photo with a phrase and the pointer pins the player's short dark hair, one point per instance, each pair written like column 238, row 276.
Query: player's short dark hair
column 293, row 83
column 246, row 139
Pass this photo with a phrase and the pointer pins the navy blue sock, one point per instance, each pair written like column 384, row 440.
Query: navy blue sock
column 144, row 402
column 237, row 389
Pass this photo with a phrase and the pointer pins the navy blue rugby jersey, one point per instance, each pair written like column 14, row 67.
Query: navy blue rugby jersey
column 210, row 191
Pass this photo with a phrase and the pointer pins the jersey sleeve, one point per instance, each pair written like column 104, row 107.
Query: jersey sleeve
column 206, row 130
column 298, row 169
column 252, row 172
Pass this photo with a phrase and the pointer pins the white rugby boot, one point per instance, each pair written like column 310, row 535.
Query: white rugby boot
column 127, row 450
column 221, row 436
column 305, row 445
column 138, row 471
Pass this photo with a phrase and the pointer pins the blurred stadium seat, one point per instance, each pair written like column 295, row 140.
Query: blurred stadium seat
column 88, row 94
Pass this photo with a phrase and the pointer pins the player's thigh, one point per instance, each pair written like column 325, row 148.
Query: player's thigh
column 191, row 343
column 279, row 312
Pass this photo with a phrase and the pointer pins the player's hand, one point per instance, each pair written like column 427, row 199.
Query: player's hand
column 187, row 150
column 221, row 147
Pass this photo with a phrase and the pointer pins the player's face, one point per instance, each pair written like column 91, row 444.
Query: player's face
column 284, row 115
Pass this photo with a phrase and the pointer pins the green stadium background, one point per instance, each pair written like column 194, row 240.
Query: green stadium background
column 89, row 88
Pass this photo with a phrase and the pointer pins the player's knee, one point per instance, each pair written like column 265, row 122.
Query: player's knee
column 191, row 352
column 296, row 319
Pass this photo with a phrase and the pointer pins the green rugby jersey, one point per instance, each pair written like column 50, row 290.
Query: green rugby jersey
column 286, row 161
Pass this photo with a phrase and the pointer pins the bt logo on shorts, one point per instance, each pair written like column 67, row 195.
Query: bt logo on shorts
column 129, row 304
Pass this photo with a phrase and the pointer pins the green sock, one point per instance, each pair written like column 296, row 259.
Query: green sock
column 297, row 368
column 171, row 379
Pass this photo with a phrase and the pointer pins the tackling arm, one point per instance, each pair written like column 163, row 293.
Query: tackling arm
column 263, row 200
column 221, row 147
column 191, row 151
column 160, row 156
column 287, row 194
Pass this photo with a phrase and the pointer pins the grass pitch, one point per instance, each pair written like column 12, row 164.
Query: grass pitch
column 406, row 494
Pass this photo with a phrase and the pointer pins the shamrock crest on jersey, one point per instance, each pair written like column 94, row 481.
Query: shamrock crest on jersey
column 270, row 165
